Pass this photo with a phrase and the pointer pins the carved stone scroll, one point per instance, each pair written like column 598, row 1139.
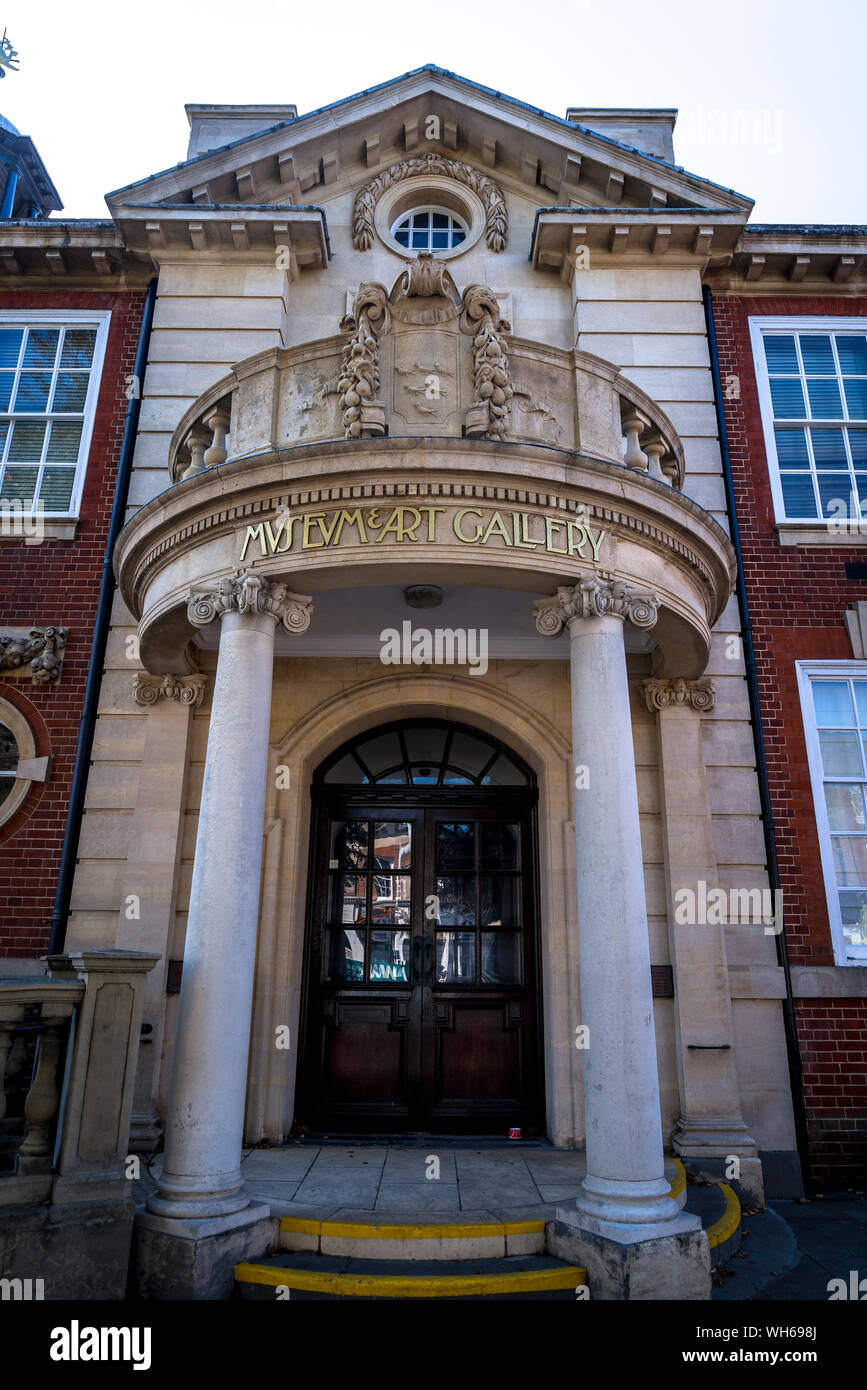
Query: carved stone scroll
column 662, row 694
column 187, row 690
column 42, row 647
column 496, row 216
column 596, row 598
column 249, row 593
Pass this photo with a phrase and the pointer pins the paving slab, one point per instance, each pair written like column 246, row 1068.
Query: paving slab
column 418, row 1197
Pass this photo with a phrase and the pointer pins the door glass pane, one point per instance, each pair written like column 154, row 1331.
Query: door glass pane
column 348, row 844
column 455, row 847
column 840, row 753
column 845, row 806
column 850, row 860
column 389, row 956
column 390, row 898
column 500, row 845
column 501, row 957
column 456, row 901
column 392, row 847
column 833, row 704
column 455, row 957
column 499, row 901
column 346, row 898
column 344, row 957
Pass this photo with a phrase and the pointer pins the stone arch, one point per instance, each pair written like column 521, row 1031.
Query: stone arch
column 280, row 954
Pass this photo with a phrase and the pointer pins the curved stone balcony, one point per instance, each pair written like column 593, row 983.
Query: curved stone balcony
column 426, row 444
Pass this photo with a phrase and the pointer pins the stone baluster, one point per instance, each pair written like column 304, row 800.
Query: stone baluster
column 218, row 423
column 632, row 427
column 197, row 442
column 10, row 1017
column 654, row 449
column 43, row 1100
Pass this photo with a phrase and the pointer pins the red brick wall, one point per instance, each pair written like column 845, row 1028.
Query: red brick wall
column 57, row 583
column 797, row 597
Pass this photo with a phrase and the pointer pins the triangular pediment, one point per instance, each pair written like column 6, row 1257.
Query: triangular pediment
column 324, row 154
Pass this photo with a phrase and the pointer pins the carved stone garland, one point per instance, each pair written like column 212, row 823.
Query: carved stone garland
column 359, row 380
column 43, row 647
column 489, row 415
column 496, row 216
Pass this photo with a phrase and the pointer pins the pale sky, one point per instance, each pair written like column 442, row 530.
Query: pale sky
column 770, row 92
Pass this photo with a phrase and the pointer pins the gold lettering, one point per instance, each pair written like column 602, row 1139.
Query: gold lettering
column 576, row 547
column 595, row 544
column 345, row 518
column 550, row 523
column 432, row 514
column 459, row 515
column 311, row 518
column 254, row 533
column 496, row 524
column 397, row 524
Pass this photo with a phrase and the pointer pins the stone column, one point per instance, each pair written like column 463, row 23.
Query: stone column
column 711, row 1129
column 201, row 1175
column 625, row 1198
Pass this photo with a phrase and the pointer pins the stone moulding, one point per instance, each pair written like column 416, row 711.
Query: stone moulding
column 42, row 647
column 186, row 690
column 496, row 215
column 250, row 593
column 663, row 694
column 596, row 598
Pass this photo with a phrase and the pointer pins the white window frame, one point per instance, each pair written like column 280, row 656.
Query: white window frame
column 66, row 318
column 807, row 671
column 758, row 326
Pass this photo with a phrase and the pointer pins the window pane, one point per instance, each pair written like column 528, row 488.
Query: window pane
column 457, row 236
column 500, row 845
column 401, row 236
column 19, row 485
column 799, row 498
column 426, row 745
column 7, row 784
column 852, row 352
column 853, row 909
column 389, row 956
column 63, row 441
column 421, row 219
column 10, row 346
column 41, row 347
column 858, row 446
column 390, row 896
column 829, row 449
column 420, row 240
column 504, row 773
column 33, row 391
column 850, row 860
column 8, row 750
column 346, row 898
column 348, row 849
column 470, row 754
column 455, row 847
column 380, row 753
column 499, row 901
column 457, row 906
column 55, row 490
column 78, row 345
column 835, row 494
column 347, row 771
column 816, row 354
column 439, row 241
column 825, row 402
column 440, row 219
column 71, row 391
column 392, row 845
column 787, row 398
column 780, row 353
column 344, row 956
column 856, row 399
column 7, row 381
column 455, row 957
column 840, row 756
column 832, row 702
column 792, row 448
column 860, row 688
column 501, row 957
column 845, row 803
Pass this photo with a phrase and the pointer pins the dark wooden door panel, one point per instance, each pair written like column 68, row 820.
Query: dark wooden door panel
column 477, row 1057
column 364, row 1062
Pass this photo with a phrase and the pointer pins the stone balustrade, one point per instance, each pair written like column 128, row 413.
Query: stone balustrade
column 204, row 442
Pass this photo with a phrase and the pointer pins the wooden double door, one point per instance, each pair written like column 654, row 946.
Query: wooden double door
column 420, row 1004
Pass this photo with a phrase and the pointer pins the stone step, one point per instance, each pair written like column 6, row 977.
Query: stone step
column 403, row 1239
column 307, row 1275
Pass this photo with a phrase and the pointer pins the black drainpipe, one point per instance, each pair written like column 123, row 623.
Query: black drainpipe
column 796, row 1075
column 74, row 814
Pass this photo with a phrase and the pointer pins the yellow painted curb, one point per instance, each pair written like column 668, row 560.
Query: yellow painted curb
column 377, row 1231
column 728, row 1223
column 680, row 1179
column 410, row 1286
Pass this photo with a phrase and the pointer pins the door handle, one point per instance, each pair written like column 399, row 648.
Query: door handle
column 416, row 960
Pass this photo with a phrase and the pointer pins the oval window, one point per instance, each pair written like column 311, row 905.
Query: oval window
column 429, row 229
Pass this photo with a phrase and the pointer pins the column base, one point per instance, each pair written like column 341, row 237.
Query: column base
column 665, row 1261
column 145, row 1133
column 618, row 1202
column 709, row 1151
column 183, row 1198
column 184, row 1260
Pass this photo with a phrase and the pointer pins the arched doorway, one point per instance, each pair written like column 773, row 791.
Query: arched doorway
column 420, row 998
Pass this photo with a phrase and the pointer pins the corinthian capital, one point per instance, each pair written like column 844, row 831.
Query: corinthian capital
column 187, row 690
column 246, row 592
column 596, row 598
column 662, row 694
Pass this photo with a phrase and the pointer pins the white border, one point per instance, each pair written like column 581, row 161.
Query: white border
column 854, row 323
column 100, row 318
column 844, row 953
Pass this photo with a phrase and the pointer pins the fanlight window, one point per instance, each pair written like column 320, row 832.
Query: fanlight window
column 429, row 229
column 424, row 753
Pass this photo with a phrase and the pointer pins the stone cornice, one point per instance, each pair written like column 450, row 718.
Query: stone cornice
column 665, row 694
column 246, row 592
column 596, row 598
